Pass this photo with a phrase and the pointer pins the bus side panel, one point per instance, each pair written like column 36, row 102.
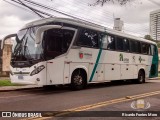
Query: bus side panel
column 66, row 73
column 83, row 58
column 112, row 72
column 112, row 65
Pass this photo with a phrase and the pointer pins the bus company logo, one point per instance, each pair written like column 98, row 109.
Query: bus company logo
column 140, row 104
column 140, row 59
column 121, row 57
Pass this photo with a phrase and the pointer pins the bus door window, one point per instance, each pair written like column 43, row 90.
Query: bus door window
column 67, row 38
column 57, row 42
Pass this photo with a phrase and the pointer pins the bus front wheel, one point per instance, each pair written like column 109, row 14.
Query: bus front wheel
column 78, row 79
column 141, row 77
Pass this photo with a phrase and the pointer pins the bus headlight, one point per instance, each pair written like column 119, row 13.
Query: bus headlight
column 37, row 70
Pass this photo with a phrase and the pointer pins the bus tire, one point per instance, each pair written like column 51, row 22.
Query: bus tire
column 78, row 79
column 141, row 77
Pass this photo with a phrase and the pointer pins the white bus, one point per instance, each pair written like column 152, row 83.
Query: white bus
column 58, row 51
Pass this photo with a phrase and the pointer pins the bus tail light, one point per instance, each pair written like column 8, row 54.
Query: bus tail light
column 37, row 70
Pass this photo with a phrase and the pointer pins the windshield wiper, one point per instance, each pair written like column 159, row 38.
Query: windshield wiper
column 19, row 45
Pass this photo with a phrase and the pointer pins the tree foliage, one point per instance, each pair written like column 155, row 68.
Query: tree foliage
column 158, row 44
column 148, row 37
column 102, row 2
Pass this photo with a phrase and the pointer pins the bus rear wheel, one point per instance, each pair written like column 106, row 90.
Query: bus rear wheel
column 141, row 77
column 78, row 80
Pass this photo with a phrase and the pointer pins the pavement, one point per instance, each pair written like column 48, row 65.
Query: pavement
column 14, row 88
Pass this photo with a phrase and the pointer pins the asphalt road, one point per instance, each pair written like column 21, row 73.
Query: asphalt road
column 62, row 98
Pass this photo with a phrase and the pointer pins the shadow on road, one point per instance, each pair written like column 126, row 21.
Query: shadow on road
column 65, row 88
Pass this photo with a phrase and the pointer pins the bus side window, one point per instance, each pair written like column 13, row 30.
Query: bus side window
column 103, row 38
column 144, row 48
column 133, row 46
column 111, row 42
column 88, row 38
column 138, row 47
column 119, row 44
column 126, row 45
column 149, row 50
column 152, row 50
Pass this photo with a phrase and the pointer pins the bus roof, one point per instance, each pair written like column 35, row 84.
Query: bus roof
column 86, row 25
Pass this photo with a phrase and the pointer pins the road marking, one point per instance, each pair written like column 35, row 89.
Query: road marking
column 97, row 105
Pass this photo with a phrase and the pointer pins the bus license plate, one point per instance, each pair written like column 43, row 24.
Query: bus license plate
column 20, row 77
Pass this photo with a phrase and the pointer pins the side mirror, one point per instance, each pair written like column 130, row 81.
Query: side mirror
column 40, row 31
column 5, row 38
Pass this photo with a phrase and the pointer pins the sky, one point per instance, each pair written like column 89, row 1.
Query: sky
column 135, row 14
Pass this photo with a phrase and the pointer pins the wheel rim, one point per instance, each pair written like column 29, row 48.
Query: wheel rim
column 78, row 80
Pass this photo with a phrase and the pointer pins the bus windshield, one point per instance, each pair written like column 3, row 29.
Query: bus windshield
column 55, row 42
column 24, row 46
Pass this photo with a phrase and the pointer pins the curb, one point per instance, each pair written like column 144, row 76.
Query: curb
column 156, row 78
column 7, row 89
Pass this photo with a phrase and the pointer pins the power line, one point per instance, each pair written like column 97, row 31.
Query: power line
column 79, row 17
column 31, row 8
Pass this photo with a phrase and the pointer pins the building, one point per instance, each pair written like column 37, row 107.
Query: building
column 118, row 24
column 5, row 57
column 155, row 24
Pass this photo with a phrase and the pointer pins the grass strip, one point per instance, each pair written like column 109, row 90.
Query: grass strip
column 7, row 83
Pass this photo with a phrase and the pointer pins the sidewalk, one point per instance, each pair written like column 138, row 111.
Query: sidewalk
column 156, row 78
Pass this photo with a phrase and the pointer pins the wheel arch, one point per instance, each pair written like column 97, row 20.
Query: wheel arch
column 83, row 68
column 143, row 70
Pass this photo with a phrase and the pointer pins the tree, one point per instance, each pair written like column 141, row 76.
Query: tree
column 148, row 37
column 102, row 2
